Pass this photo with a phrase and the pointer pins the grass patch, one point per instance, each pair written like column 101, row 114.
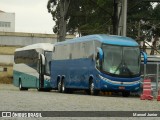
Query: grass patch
column 7, row 50
column 6, row 77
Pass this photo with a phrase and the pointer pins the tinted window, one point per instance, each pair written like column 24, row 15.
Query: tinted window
column 29, row 57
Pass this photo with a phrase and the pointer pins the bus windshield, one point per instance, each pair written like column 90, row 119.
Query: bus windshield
column 121, row 61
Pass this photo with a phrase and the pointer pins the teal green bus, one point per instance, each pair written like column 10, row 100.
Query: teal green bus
column 31, row 67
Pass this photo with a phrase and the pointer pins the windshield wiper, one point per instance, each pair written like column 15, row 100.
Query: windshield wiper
column 129, row 71
column 119, row 66
column 123, row 66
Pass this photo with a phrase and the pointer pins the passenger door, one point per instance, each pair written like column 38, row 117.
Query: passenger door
column 41, row 71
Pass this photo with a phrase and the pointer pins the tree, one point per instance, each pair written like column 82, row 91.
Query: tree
column 139, row 13
column 100, row 16
column 143, row 22
column 86, row 16
column 60, row 13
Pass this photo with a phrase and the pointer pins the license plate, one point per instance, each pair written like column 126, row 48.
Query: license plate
column 121, row 87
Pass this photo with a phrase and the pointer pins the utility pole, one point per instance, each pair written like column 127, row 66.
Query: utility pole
column 115, row 17
column 122, row 15
column 64, row 5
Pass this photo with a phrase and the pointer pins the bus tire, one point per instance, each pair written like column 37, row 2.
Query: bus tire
column 92, row 89
column 20, row 86
column 126, row 94
column 59, row 86
column 64, row 90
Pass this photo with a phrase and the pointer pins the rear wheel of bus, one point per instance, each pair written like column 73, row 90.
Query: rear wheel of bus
column 64, row 90
column 20, row 86
column 63, row 87
column 59, row 85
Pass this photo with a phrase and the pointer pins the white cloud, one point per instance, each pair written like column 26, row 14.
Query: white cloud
column 31, row 15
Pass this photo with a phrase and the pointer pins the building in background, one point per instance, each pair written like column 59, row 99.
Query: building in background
column 7, row 21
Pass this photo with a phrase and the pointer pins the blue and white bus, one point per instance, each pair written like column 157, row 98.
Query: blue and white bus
column 97, row 63
column 31, row 67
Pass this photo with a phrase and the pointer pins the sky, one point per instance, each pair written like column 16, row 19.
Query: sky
column 30, row 15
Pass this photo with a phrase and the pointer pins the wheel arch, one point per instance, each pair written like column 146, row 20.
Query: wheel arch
column 91, row 78
column 63, row 77
column 58, row 79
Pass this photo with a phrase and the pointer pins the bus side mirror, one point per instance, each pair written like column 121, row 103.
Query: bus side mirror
column 99, row 54
column 145, row 57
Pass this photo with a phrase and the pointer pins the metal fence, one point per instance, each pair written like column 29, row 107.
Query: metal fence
column 151, row 70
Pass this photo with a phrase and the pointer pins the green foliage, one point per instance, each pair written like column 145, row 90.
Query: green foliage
column 137, row 17
column 156, row 12
column 156, row 21
column 86, row 16
column 98, row 16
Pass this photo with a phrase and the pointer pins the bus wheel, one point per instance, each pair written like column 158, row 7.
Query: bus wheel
column 92, row 89
column 59, row 86
column 126, row 94
column 20, row 86
column 63, row 87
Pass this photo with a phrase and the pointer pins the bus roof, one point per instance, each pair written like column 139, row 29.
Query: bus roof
column 108, row 39
column 44, row 46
